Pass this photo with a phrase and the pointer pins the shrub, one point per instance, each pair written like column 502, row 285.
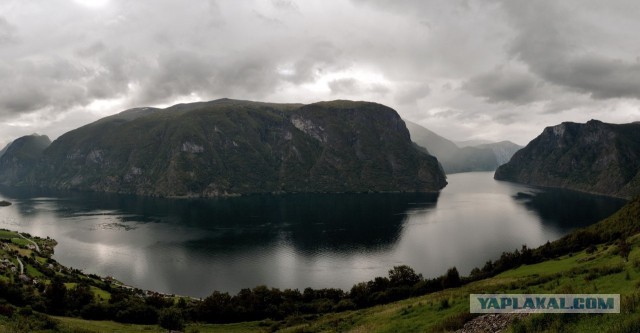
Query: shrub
column 171, row 319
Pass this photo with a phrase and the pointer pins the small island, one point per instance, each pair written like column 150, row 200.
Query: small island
column 4, row 203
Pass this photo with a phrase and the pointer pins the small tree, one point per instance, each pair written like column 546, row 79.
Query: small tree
column 404, row 276
column 79, row 296
column 56, row 296
column 171, row 319
column 451, row 279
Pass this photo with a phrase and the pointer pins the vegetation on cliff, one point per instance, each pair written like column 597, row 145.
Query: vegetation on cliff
column 230, row 147
column 594, row 157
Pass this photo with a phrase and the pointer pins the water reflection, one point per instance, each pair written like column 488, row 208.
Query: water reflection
column 195, row 246
column 572, row 209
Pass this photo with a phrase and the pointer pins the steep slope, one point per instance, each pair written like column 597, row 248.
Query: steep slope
column 20, row 156
column 593, row 157
column 230, row 147
column 4, row 149
column 485, row 157
column 503, row 150
column 437, row 145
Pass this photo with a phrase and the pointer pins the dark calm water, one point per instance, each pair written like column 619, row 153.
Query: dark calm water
column 192, row 247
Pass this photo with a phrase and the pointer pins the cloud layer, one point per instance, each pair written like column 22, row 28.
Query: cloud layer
column 465, row 68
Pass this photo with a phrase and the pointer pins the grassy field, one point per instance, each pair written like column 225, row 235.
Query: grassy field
column 110, row 326
column 4, row 234
column 20, row 241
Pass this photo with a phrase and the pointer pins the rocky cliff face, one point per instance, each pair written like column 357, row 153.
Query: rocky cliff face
column 229, row 147
column 594, row 157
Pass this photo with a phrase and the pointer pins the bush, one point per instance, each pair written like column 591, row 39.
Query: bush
column 137, row 314
column 171, row 319
column 96, row 311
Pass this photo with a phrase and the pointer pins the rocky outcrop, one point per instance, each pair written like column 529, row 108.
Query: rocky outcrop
column 491, row 323
column 594, row 157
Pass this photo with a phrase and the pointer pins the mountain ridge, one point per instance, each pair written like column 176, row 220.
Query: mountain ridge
column 232, row 147
column 594, row 157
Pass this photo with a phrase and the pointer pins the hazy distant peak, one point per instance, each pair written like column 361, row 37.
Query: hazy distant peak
column 483, row 157
column 471, row 143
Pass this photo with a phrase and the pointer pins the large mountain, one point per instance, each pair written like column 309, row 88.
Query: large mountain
column 484, row 157
column 594, row 157
column 230, row 147
column 21, row 156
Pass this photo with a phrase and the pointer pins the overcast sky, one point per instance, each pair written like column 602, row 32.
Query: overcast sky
column 491, row 70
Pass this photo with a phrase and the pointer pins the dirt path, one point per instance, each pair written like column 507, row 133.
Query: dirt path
column 21, row 266
column 32, row 242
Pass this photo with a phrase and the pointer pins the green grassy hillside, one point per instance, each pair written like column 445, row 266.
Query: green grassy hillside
column 602, row 271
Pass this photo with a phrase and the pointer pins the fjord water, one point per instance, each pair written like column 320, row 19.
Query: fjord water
column 194, row 246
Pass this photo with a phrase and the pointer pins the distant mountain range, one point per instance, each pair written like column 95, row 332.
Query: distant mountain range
column 471, row 143
column 230, row 147
column 594, row 157
column 482, row 156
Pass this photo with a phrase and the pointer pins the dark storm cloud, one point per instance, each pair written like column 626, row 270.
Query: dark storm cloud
column 595, row 75
column 38, row 84
column 183, row 72
column 502, row 85
column 559, row 47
